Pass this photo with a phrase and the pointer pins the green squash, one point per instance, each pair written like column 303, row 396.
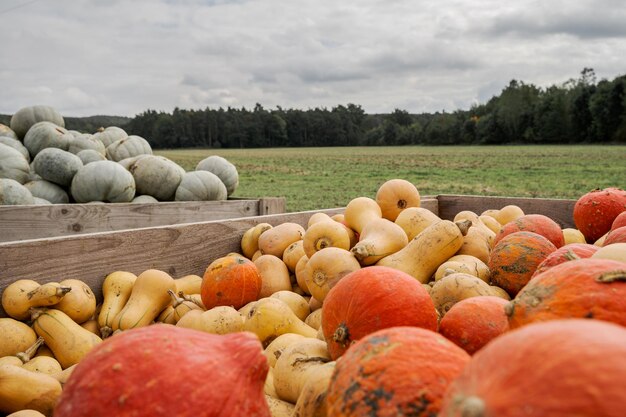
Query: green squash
column 103, row 181
column 27, row 117
column 156, row 176
column 13, row 165
column 200, row 186
column 13, row 193
column 110, row 134
column 46, row 135
column 57, row 166
column 128, row 147
column 48, row 191
column 226, row 171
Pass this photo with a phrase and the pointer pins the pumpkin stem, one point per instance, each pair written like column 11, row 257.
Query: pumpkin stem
column 611, row 276
column 402, row 204
column 472, row 407
column 341, row 335
column 176, row 300
column 464, row 226
column 322, row 243
column 509, row 308
column 105, row 331
column 30, row 352
column 35, row 312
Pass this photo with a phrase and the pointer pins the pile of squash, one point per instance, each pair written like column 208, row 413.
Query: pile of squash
column 383, row 310
column 43, row 163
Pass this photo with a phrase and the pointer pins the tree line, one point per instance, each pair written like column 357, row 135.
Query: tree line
column 581, row 110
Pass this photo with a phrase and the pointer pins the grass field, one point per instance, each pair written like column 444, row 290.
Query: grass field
column 314, row 178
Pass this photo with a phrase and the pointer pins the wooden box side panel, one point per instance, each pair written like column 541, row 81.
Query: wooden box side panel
column 34, row 222
column 557, row 209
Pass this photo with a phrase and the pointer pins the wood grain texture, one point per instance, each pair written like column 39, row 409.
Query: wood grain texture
column 34, row 222
column 561, row 211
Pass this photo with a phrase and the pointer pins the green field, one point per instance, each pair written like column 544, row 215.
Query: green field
column 315, row 178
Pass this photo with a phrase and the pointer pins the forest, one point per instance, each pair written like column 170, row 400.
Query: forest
column 581, row 110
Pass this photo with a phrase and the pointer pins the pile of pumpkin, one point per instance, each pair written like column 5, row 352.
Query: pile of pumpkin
column 43, row 163
column 383, row 310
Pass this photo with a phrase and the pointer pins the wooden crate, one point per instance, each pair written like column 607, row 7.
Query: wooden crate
column 188, row 248
column 34, row 222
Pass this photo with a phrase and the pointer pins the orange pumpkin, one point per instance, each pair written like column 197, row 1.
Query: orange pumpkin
column 371, row 299
column 514, row 259
column 473, row 322
column 619, row 221
column 396, row 195
column 616, row 236
column 566, row 253
column 584, row 288
column 401, row 371
column 536, row 223
column 230, row 281
column 560, row 368
column 595, row 211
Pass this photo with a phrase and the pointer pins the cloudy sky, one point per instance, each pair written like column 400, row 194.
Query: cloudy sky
column 87, row 57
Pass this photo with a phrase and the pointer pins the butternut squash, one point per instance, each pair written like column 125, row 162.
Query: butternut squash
column 20, row 358
column 499, row 292
column 489, row 234
column 415, row 219
column 326, row 267
column 312, row 399
column 302, row 273
column 395, row 195
column 181, row 306
column 456, row 287
column 16, row 336
column 188, row 320
column 246, row 309
column 273, row 350
column 23, row 389
column 64, row 375
column 325, row 234
column 80, row 303
column 614, row 251
column 318, row 217
column 476, row 243
column 69, row 342
column 508, row 213
column 379, row 238
column 268, row 387
column 147, row 299
column 421, row 257
column 218, row 320
column 297, row 303
column 339, row 217
column 44, row 365
column 116, row 290
column 270, row 317
column 294, row 365
column 92, row 325
column 314, row 304
column 274, row 275
column 360, row 211
column 189, row 284
column 167, row 316
column 19, row 296
column 279, row 408
column 314, row 319
column 491, row 223
column 571, row 235
column 26, row 413
column 274, row 241
column 463, row 263
column 250, row 239
column 292, row 254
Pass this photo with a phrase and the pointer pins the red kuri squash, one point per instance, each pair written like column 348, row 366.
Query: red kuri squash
column 595, row 211
column 230, row 281
column 536, row 223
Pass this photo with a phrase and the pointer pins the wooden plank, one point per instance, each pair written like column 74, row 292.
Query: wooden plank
column 33, row 222
column 180, row 249
column 559, row 210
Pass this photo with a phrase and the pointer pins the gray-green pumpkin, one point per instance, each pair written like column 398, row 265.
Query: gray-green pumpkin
column 41, row 201
column 57, row 166
column 13, row 193
column 200, row 186
column 127, row 148
column 127, row 162
column 110, row 134
column 226, row 171
column 13, row 165
column 90, row 155
column 46, row 135
column 142, row 199
column 27, row 117
column 105, row 181
column 7, row 132
column 156, row 176
column 17, row 145
column 48, row 191
column 86, row 141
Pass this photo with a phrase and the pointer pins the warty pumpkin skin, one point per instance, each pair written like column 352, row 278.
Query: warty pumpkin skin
column 566, row 253
column 164, row 370
column 536, row 223
column 585, row 288
column 400, row 371
column 371, row 299
column 595, row 211
column 515, row 258
column 473, row 322
column 230, row 281
column 562, row 368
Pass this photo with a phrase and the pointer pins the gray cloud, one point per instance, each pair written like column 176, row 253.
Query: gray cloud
column 121, row 57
